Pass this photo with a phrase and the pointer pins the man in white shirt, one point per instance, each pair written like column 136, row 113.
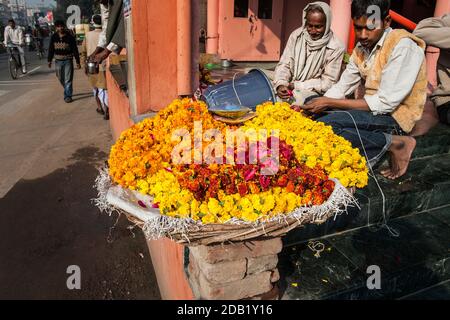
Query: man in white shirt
column 391, row 65
column 14, row 37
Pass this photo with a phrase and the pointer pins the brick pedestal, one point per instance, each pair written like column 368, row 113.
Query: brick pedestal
column 235, row 271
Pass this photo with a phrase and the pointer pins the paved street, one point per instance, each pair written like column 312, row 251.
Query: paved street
column 49, row 154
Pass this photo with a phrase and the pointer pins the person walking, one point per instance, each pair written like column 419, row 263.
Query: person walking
column 97, row 81
column 63, row 48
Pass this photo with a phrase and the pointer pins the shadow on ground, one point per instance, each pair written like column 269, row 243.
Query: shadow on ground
column 50, row 223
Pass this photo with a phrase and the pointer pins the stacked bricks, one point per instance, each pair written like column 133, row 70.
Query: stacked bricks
column 245, row 270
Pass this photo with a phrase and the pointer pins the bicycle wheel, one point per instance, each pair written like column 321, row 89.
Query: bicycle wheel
column 13, row 68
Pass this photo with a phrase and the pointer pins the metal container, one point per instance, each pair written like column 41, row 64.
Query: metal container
column 248, row 90
column 227, row 63
column 92, row 68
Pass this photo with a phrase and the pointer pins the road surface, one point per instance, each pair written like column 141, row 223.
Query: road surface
column 49, row 154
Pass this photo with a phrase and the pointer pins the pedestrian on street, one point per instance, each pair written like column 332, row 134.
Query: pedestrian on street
column 112, row 38
column 63, row 48
column 97, row 81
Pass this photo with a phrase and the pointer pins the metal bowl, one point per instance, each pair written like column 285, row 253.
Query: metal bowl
column 230, row 111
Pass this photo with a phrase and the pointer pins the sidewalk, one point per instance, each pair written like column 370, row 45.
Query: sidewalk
column 49, row 154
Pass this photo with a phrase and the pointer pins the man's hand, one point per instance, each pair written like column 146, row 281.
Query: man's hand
column 100, row 57
column 283, row 92
column 93, row 54
column 318, row 105
column 49, row 65
column 78, row 66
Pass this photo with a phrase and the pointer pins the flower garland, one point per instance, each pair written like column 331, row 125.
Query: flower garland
column 314, row 143
column 310, row 153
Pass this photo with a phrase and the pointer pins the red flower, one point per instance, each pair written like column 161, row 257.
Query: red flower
column 264, row 181
column 140, row 203
column 242, row 188
column 290, row 187
column 282, row 181
column 299, row 189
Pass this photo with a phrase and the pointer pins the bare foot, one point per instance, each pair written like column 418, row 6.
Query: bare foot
column 401, row 151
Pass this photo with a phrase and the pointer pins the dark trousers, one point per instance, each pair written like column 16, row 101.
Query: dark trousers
column 374, row 131
column 64, row 72
column 444, row 113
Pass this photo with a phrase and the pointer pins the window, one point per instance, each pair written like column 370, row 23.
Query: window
column 241, row 8
column 265, row 9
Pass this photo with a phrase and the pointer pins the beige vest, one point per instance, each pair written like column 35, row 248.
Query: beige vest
column 411, row 109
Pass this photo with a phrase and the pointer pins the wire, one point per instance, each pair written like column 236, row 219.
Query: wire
column 234, row 88
column 392, row 231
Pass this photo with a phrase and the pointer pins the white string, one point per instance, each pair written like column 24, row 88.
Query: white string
column 392, row 231
column 234, row 88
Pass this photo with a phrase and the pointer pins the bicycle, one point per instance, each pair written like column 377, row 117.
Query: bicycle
column 14, row 62
column 40, row 48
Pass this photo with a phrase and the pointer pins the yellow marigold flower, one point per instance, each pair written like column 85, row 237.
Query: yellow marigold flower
column 209, row 218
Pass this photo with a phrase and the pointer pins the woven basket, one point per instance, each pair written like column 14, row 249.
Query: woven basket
column 186, row 231
column 220, row 233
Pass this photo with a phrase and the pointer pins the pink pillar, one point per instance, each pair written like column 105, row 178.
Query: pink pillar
column 341, row 10
column 184, row 58
column 212, row 42
column 442, row 7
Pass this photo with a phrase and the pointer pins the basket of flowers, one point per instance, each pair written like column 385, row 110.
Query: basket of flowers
column 186, row 176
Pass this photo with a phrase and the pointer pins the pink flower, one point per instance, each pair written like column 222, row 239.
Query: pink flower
column 249, row 174
column 140, row 203
column 155, row 205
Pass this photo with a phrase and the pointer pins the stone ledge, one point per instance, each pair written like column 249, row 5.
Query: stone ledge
column 248, row 287
column 261, row 264
column 237, row 251
column 222, row 272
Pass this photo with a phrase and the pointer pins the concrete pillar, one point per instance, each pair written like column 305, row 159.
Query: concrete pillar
column 341, row 10
column 184, row 44
column 442, row 7
column 212, row 42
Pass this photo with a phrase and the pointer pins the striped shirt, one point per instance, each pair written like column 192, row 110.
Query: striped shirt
column 63, row 48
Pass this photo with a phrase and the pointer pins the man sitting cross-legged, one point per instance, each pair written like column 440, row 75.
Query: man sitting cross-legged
column 391, row 64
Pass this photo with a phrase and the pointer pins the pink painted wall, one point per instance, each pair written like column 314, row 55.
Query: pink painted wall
column 168, row 263
column 239, row 41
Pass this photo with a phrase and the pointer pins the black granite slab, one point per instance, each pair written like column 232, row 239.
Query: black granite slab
column 438, row 292
column 419, row 257
column 434, row 143
column 306, row 277
column 443, row 214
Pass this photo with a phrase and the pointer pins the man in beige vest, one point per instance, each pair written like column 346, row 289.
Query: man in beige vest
column 391, row 65
column 436, row 32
